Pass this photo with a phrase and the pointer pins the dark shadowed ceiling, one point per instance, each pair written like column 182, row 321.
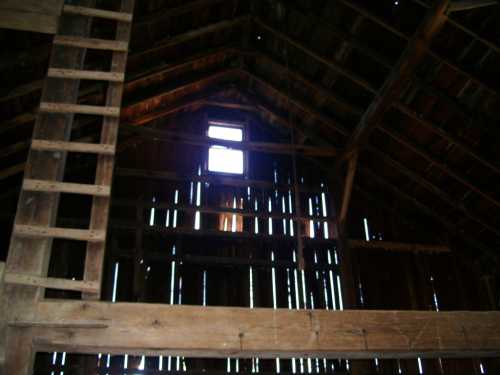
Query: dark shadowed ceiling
column 312, row 65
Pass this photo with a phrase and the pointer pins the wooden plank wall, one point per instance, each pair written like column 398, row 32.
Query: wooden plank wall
column 30, row 15
column 2, row 319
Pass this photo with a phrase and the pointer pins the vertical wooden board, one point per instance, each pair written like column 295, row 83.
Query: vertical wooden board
column 19, row 353
column 30, row 255
column 94, row 261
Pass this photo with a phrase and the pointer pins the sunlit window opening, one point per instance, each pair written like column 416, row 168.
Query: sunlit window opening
column 224, row 159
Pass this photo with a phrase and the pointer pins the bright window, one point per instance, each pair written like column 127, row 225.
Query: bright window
column 224, row 159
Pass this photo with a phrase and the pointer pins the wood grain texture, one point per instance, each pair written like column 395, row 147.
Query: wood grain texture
column 79, row 108
column 33, row 231
column 51, row 282
column 30, row 15
column 91, row 43
column 91, row 148
column 86, row 74
column 92, row 12
column 220, row 332
column 66, row 187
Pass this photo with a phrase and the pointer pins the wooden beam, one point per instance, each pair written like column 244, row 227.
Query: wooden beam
column 438, row 56
column 448, row 225
column 147, row 109
column 439, row 164
column 212, row 179
column 196, row 140
column 220, row 332
column 398, row 246
column 30, row 15
column 346, row 195
column 436, row 190
column 458, row 5
column 326, row 61
column 50, row 282
column 190, row 35
column 403, row 70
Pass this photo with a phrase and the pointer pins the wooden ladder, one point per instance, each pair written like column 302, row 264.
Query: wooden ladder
column 34, row 229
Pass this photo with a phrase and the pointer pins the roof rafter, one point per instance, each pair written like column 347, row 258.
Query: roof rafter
column 437, row 56
column 403, row 71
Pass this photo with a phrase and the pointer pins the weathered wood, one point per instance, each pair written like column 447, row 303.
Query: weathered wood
column 185, row 37
column 402, row 71
column 30, row 15
column 217, row 210
column 19, row 354
column 92, row 148
column 458, row 5
column 51, row 282
column 3, row 318
column 438, row 56
column 326, row 61
column 94, row 260
column 399, row 246
column 93, row 12
column 12, row 171
column 51, row 232
column 66, row 187
column 91, row 43
column 439, row 164
column 212, row 179
column 435, row 190
column 80, row 108
column 196, row 331
column 346, row 194
column 196, row 140
column 36, row 212
column 86, row 74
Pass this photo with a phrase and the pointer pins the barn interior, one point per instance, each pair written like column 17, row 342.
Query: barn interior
column 266, row 186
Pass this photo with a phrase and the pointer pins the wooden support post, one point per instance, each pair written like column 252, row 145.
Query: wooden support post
column 139, row 251
column 298, row 209
column 358, row 367
column 346, row 195
column 3, row 321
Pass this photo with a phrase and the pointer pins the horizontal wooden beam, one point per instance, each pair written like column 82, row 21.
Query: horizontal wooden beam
column 220, row 332
column 399, row 246
column 36, row 16
column 51, row 282
column 458, row 5
column 211, row 179
column 197, row 140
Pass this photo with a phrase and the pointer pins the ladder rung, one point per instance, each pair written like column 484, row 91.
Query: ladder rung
column 91, row 43
column 88, row 148
column 80, row 108
column 66, row 233
column 91, row 12
column 52, row 282
column 86, row 74
column 66, row 187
